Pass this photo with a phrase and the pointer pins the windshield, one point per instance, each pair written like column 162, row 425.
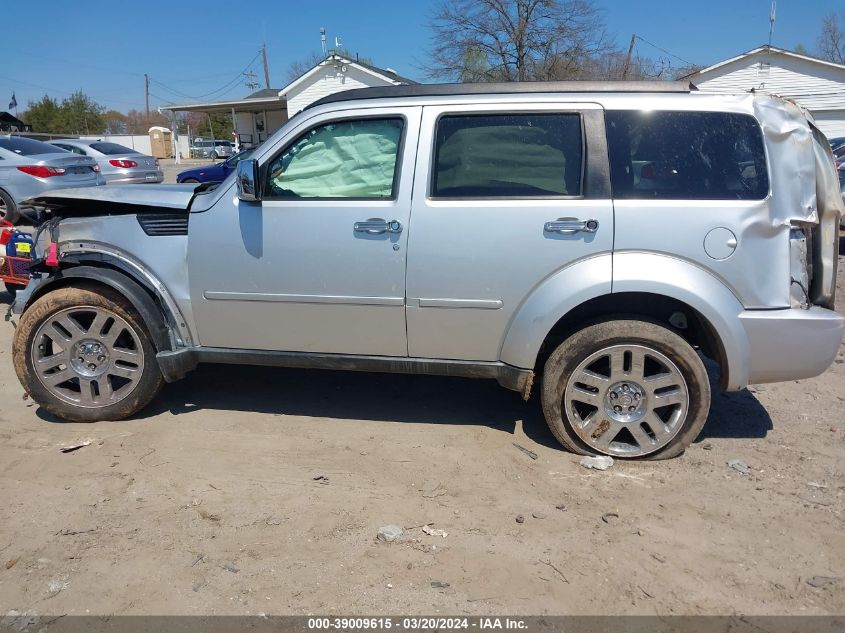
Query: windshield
column 110, row 149
column 27, row 147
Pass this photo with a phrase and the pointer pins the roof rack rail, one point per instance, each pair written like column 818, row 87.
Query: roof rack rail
column 514, row 87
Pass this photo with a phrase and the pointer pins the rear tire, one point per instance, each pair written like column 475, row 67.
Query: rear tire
column 190, row 181
column 8, row 208
column 627, row 389
column 85, row 355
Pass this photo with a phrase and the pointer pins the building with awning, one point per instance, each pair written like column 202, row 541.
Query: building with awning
column 258, row 115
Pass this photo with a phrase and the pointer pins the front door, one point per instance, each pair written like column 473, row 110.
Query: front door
column 318, row 265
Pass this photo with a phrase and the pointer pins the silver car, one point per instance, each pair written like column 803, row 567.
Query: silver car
column 29, row 168
column 592, row 242
column 212, row 149
column 118, row 164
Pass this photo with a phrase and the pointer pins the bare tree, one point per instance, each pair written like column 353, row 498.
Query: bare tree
column 831, row 41
column 300, row 67
column 514, row 40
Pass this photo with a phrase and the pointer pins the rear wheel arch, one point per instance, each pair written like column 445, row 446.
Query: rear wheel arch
column 660, row 309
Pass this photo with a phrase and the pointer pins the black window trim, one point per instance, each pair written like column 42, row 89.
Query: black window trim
column 506, row 112
column 400, row 153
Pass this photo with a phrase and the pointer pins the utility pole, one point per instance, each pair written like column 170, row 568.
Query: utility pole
column 147, row 95
column 266, row 67
column 627, row 65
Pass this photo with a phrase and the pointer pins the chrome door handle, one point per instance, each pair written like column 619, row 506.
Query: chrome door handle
column 568, row 226
column 377, row 226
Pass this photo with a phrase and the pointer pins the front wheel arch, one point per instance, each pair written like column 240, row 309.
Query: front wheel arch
column 92, row 277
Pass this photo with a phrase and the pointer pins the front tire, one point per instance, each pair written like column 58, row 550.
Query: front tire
column 626, row 388
column 85, row 355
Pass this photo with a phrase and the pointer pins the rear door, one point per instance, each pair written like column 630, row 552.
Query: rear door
column 505, row 196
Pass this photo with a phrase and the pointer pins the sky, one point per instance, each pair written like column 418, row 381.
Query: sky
column 197, row 51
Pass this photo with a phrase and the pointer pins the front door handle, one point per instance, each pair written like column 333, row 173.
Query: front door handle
column 377, row 226
column 568, row 226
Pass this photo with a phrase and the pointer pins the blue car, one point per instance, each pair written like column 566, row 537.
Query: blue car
column 213, row 173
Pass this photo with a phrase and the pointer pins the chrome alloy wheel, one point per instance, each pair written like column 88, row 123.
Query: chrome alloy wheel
column 89, row 357
column 626, row 400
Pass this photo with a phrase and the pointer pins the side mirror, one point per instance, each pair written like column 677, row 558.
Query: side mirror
column 248, row 181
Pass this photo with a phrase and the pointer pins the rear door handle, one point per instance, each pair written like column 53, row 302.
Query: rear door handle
column 377, row 226
column 568, row 226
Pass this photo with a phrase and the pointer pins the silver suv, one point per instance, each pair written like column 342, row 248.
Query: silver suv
column 212, row 149
column 595, row 241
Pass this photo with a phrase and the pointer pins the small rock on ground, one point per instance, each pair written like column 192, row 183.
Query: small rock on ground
column 389, row 533
column 602, row 462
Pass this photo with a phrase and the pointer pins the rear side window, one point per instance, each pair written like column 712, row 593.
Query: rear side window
column 27, row 146
column 686, row 156
column 112, row 149
column 508, row 155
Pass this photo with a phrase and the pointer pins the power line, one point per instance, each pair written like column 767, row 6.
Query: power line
column 663, row 50
column 228, row 86
column 65, row 92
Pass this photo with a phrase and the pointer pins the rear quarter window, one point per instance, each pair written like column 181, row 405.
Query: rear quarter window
column 686, row 156
column 508, row 156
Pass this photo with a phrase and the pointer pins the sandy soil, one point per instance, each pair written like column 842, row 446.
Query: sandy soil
column 211, row 503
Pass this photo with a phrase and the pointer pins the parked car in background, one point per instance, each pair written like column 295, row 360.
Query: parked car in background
column 29, row 167
column 213, row 173
column 118, row 163
column 212, row 149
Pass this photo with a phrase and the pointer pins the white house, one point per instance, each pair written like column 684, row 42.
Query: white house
column 260, row 114
column 335, row 74
column 816, row 84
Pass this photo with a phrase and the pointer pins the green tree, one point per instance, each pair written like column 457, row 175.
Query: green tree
column 214, row 125
column 79, row 114
column 42, row 115
column 115, row 122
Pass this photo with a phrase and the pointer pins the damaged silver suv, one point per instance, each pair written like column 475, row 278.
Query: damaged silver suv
column 595, row 240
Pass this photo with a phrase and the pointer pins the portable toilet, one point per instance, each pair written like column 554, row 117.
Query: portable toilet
column 161, row 142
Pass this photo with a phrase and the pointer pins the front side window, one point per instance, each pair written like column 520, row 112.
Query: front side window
column 686, row 156
column 341, row 159
column 508, row 155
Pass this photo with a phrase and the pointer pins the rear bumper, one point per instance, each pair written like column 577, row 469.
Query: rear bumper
column 791, row 344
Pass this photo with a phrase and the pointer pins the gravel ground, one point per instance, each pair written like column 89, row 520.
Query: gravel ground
column 250, row 490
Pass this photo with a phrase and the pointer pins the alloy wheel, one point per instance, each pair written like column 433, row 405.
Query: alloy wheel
column 87, row 356
column 626, row 400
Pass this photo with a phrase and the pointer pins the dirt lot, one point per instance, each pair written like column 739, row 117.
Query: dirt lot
column 244, row 491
